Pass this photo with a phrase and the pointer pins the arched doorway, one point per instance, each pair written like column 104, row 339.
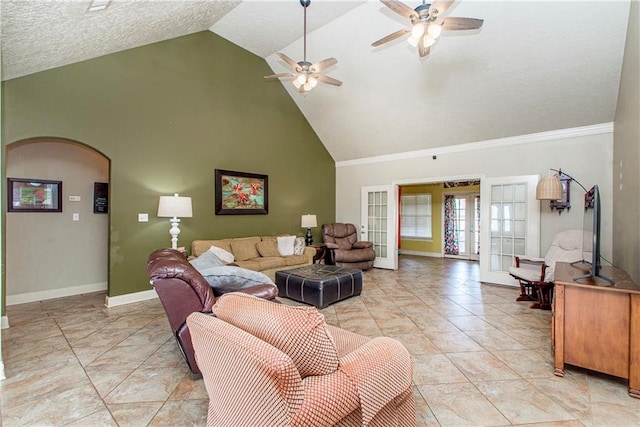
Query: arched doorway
column 56, row 254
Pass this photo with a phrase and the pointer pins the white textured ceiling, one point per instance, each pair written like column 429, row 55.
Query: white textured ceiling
column 533, row 67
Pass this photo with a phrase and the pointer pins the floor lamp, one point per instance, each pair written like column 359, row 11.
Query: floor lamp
column 174, row 207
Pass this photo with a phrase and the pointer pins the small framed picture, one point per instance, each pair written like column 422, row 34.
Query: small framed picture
column 34, row 195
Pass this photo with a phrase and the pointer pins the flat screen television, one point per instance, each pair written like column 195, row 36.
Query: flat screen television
column 591, row 236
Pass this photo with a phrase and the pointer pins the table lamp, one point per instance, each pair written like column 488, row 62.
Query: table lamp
column 174, row 207
column 309, row 221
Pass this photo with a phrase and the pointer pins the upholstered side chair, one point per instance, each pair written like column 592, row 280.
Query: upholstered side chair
column 535, row 275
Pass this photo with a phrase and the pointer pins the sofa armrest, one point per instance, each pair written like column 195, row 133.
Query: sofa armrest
column 362, row 245
column 529, row 260
column 332, row 245
column 266, row 291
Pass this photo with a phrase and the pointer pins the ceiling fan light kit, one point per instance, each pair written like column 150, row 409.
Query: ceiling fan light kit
column 427, row 23
column 306, row 75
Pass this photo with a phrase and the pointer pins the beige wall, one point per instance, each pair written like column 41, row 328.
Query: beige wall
column 51, row 255
column 587, row 157
column 626, row 156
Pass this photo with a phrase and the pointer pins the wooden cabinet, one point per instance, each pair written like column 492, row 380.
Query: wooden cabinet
column 596, row 325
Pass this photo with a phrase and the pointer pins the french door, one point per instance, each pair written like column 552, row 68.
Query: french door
column 462, row 225
column 378, row 211
column 510, row 225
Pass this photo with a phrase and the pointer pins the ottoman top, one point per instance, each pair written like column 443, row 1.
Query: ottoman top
column 319, row 271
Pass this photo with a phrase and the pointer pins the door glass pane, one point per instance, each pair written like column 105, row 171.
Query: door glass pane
column 377, row 222
column 508, row 220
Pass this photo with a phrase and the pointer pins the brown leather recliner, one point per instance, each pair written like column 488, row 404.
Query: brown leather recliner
column 347, row 250
column 182, row 290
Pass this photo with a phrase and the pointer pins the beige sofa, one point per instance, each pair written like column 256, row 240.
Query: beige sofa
column 256, row 253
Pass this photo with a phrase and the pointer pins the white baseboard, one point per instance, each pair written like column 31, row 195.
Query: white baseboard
column 418, row 253
column 4, row 322
column 55, row 293
column 130, row 298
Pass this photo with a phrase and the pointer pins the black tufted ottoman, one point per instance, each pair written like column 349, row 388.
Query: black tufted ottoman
column 319, row 284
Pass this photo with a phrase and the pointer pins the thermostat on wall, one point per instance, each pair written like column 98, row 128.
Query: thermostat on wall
column 74, row 198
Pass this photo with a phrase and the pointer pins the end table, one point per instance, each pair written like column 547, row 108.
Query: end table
column 323, row 253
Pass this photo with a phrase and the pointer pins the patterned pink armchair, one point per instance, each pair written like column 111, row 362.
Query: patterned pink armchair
column 268, row 364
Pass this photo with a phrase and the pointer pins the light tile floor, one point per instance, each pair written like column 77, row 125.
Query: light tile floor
column 480, row 358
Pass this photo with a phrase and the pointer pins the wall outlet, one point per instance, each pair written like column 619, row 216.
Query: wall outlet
column 76, row 217
column 143, row 217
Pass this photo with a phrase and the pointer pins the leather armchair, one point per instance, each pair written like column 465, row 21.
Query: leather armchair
column 347, row 250
column 182, row 290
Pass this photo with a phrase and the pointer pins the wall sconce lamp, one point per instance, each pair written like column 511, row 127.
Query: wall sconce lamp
column 174, row 207
column 556, row 188
column 309, row 221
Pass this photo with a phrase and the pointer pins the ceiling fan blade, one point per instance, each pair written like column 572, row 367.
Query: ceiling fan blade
column 400, row 8
column 462, row 24
column 293, row 64
column 325, row 63
column 391, row 37
column 439, row 7
column 328, row 80
column 278, row 75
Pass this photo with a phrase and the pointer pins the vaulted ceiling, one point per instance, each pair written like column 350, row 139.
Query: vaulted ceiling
column 533, row 67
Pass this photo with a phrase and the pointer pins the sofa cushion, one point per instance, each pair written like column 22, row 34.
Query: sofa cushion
column 285, row 245
column 298, row 246
column 222, row 254
column 270, row 262
column 206, row 260
column 268, row 248
column 231, row 278
column 249, row 264
column 245, row 248
column 198, row 247
column 300, row 332
column 296, row 259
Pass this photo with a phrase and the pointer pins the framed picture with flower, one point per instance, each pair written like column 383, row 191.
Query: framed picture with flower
column 241, row 193
column 34, row 195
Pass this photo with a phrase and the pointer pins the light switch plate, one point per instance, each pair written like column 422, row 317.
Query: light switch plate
column 143, row 217
column 75, row 198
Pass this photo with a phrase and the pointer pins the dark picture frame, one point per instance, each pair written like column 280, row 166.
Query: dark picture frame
column 101, row 197
column 241, row 193
column 34, row 195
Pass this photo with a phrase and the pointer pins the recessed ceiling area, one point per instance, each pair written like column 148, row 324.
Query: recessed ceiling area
column 533, row 66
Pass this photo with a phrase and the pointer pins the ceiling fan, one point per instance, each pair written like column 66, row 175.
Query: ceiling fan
column 427, row 23
column 307, row 75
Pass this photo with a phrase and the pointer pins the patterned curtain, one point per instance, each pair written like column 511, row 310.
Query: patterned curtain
column 450, row 226
column 477, row 203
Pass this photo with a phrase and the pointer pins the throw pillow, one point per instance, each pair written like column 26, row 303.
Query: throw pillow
column 229, row 278
column 244, row 249
column 206, row 260
column 222, row 254
column 300, row 332
column 298, row 246
column 268, row 248
column 285, row 245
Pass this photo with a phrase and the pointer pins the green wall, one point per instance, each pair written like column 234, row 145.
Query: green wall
column 167, row 115
column 434, row 245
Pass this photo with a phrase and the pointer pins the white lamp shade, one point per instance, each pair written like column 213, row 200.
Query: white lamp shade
column 175, row 206
column 309, row 221
column 549, row 188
